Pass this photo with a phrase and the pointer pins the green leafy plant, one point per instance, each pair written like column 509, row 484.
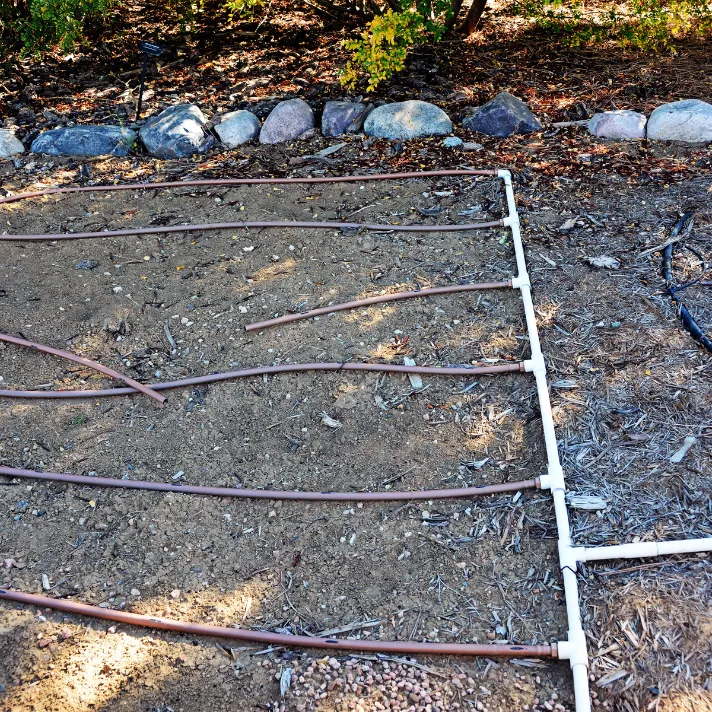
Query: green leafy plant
column 382, row 48
column 651, row 25
column 242, row 7
column 59, row 22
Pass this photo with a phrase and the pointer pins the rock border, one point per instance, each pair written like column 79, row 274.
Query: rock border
column 181, row 130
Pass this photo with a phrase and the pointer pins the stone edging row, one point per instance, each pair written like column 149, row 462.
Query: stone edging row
column 183, row 130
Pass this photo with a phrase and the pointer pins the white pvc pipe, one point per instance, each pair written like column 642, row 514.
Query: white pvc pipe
column 642, row 549
column 574, row 649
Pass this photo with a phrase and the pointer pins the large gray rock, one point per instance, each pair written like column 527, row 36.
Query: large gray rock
column 619, row 124
column 407, row 119
column 85, row 141
column 176, row 132
column 287, row 121
column 237, row 127
column 338, row 116
column 503, row 116
column 10, row 145
column 689, row 120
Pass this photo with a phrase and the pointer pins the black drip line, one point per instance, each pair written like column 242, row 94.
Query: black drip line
column 688, row 321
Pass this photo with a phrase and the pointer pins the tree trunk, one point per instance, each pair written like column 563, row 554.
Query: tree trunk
column 450, row 24
column 472, row 19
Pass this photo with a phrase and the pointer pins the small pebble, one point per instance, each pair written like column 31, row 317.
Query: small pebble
column 87, row 264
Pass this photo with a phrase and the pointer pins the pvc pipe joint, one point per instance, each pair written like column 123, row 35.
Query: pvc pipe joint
column 554, row 479
column 535, row 364
column 567, row 554
column 574, row 649
column 521, row 280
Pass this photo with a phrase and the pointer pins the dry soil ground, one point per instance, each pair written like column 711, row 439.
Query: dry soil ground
column 628, row 386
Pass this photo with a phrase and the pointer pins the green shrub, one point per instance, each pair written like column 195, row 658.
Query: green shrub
column 392, row 27
column 382, row 48
column 60, row 23
column 651, row 25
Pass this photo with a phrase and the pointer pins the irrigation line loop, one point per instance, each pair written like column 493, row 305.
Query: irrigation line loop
column 134, row 385
column 673, row 290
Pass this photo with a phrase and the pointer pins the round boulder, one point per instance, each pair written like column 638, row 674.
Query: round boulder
column 176, row 132
column 689, row 120
column 85, row 141
column 287, row 121
column 619, row 124
column 407, row 120
column 237, row 127
column 503, row 116
column 338, row 116
column 10, row 145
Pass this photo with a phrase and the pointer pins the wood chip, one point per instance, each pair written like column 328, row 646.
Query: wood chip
column 679, row 456
column 330, row 422
column 415, row 380
column 611, row 677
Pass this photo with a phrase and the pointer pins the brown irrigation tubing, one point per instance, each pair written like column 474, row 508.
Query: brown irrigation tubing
column 517, row 367
column 356, row 304
column 251, row 181
column 271, row 494
column 255, row 224
column 263, row 637
column 135, row 385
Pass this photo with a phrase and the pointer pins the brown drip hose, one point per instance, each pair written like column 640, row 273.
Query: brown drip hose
column 357, row 303
column 517, row 367
column 271, row 494
column 135, row 385
column 253, row 181
column 377, row 646
column 255, row 224
column 256, row 636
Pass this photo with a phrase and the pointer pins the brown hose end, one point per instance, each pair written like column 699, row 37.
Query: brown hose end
column 140, row 387
column 379, row 299
column 554, row 650
column 537, row 482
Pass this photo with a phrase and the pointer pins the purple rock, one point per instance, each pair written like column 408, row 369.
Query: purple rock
column 338, row 116
column 503, row 116
column 287, row 121
column 619, row 124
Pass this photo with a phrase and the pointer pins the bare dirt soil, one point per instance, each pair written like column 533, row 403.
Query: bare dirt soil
column 629, row 385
